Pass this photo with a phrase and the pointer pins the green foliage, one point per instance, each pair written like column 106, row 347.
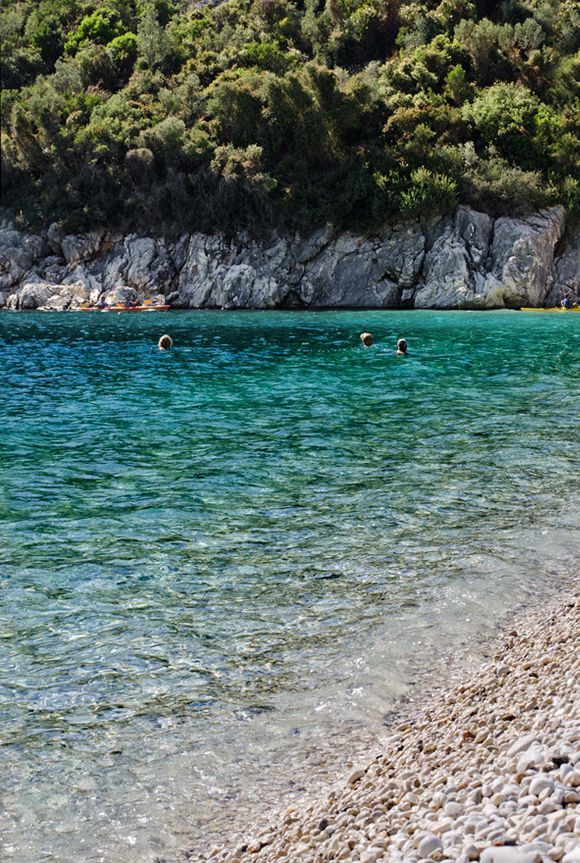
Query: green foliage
column 457, row 88
column 164, row 140
column 123, row 49
column 494, row 185
column 265, row 55
column 163, row 114
column 504, row 112
column 429, row 192
column 19, row 62
column 152, row 39
column 99, row 28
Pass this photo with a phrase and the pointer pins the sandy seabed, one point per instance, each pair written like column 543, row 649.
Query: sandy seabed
column 488, row 769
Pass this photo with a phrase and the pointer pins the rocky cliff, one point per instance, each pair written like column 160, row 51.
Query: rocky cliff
column 464, row 261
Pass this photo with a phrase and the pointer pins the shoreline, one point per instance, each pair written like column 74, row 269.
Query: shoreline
column 297, row 310
column 453, row 779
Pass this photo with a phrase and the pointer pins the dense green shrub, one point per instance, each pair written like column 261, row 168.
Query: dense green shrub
column 505, row 115
column 168, row 115
column 498, row 187
column 100, row 27
column 429, row 192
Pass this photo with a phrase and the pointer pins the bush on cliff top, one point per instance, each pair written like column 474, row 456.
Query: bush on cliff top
column 164, row 115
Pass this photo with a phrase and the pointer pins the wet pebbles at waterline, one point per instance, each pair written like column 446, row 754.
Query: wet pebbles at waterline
column 489, row 771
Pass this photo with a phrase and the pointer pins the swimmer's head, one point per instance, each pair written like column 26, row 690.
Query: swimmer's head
column 366, row 339
column 165, row 343
column 402, row 346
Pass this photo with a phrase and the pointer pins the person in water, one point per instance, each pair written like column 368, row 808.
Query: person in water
column 402, row 347
column 366, row 339
column 165, row 343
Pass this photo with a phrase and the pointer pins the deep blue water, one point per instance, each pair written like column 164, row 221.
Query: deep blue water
column 265, row 534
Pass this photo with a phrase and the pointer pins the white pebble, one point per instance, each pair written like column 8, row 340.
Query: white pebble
column 541, row 783
column 430, row 845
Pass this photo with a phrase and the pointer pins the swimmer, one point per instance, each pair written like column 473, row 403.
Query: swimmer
column 366, row 339
column 165, row 343
column 402, row 347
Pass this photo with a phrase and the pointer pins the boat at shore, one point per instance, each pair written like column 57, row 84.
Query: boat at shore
column 146, row 307
column 559, row 309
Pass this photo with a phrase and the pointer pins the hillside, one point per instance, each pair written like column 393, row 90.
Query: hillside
column 170, row 116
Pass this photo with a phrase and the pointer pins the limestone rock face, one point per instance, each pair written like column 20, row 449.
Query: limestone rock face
column 475, row 263
column 54, row 237
column 321, row 271
column 82, row 247
column 522, row 257
column 475, row 229
column 463, row 260
column 355, row 271
column 567, row 269
column 18, row 252
column 240, row 274
column 448, row 280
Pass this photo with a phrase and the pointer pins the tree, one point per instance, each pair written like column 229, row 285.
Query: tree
column 152, row 39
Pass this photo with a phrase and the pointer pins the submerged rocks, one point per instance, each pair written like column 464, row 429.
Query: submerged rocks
column 470, row 797
column 466, row 260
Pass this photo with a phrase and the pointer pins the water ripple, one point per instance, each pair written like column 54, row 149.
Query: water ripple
column 233, row 552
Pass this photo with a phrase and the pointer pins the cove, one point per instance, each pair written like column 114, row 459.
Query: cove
column 242, row 553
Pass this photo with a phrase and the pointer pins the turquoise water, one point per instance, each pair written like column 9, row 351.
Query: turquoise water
column 244, row 551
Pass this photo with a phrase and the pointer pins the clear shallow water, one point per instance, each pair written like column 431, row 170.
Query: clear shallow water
column 242, row 552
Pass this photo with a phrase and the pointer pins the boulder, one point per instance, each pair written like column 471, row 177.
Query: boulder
column 30, row 296
column 121, row 295
column 45, row 296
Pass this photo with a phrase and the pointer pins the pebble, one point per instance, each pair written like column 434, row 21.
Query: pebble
column 541, row 783
column 453, row 810
column 531, row 758
column 521, row 744
column 355, row 776
column 488, row 770
column 429, row 845
column 508, row 854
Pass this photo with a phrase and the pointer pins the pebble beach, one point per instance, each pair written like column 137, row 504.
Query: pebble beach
column 488, row 769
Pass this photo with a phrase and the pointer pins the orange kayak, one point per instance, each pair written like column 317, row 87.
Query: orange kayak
column 124, row 309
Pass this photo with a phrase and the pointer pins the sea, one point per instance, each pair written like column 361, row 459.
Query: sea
column 226, row 568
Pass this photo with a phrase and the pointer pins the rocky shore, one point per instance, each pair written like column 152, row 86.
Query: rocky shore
column 488, row 770
column 466, row 260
